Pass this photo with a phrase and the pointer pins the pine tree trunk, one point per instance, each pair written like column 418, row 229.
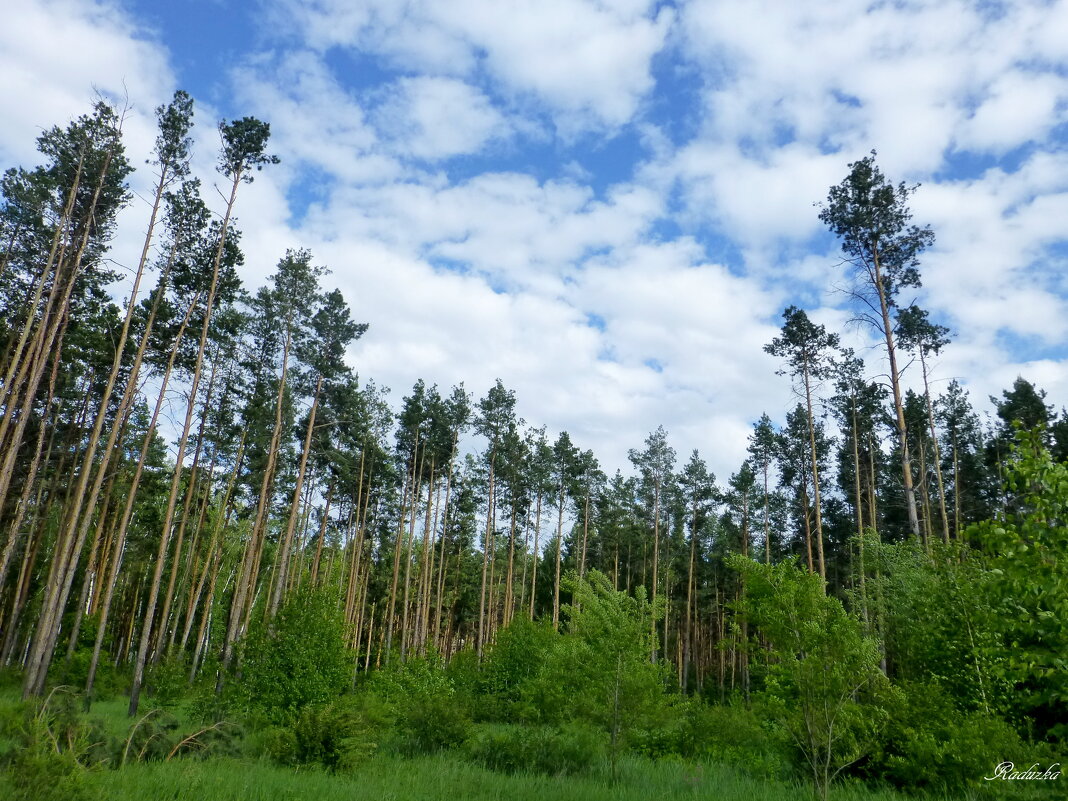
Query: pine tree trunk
column 119, row 542
column 142, row 654
column 859, row 510
column 899, row 409
column 287, row 542
column 815, row 479
column 487, row 547
column 69, row 542
column 656, row 564
column 398, row 548
column 937, row 455
column 534, row 567
column 559, row 545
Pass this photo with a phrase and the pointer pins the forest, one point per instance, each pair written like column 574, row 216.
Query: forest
column 225, row 553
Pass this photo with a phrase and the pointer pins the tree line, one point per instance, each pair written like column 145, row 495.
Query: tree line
column 435, row 525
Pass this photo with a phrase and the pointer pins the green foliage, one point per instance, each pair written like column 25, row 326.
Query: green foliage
column 167, row 681
column 108, row 681
column 823, row 681
column 934, row 611
column 513, row 662
column 296, row 659
column 429, row 714
column 556, row 751
column 871, row 217
column 339, row 737
column 46, row 749
column 151, row 737
column 1028, row 562
column 929, row 744
column 746, row 737
column 600, row 671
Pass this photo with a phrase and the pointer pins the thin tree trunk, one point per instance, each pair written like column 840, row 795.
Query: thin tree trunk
column 534, row 567
column 119, row 542
column 815, row 478
column 937, row 455
column 559, row 546
column 859, row 509
column 487, row 546
column 899, row 409
column 139, row 667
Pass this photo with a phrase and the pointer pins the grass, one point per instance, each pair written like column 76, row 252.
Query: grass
column 389, row 777
column 386, row 778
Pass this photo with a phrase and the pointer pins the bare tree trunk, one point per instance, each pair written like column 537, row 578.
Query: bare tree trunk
column 69, row 542
column 899, row 409
column 119, row 542
column 684, row 667
column 815, row 478
column 391, row 614
column 142, row 653
column 859, row 510
column 937, row 455
column 559, row 547
column 534, row 555
column 487, row 547
column 656, row 564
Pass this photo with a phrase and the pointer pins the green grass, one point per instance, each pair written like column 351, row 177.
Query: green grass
column 442, row 777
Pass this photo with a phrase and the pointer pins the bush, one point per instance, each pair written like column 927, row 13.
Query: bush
column 929, row 744
column 555, row 751
column 167, row 682
column 748, row 739
column 296, row 659
column 339, row 737
column 151, row 737
column 45, row 750
column 513, row 662
column 429, row 714
column 823, row 682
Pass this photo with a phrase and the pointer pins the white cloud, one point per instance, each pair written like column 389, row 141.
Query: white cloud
column 569, row 289
column 433, row 118
column 313, row 117
column 587, row 61
column 1020, row 108
column 54, row 53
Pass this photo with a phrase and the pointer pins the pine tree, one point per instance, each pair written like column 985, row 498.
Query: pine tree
column 808, row 351
column 655, row 465
column 872, row 219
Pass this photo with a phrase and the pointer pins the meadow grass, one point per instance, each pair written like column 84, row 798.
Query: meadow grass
column 386, row 778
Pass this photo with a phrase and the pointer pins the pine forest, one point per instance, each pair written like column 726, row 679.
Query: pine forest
column 224, row 548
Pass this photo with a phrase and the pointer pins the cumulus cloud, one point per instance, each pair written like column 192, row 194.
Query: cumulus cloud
column 447, row 183
column 433, row 118
column 586, row 62
column 54, row 54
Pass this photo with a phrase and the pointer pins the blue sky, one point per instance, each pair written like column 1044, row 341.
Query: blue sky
column 606, row 204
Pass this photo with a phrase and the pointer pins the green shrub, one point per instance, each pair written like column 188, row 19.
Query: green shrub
column 513, row 662
column 565, row 750
column 429, row 723
column 108, row 683
column 429, row 713
column 339, row 737
column 746, row 738
column 929, row 744
column 167, row 682
column 45, row 750
column 151, row 737
column 296, row 659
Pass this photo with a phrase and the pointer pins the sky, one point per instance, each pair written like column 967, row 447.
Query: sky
column 605, row 204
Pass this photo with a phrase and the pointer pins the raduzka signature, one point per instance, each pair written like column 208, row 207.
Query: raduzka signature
column 1007, row 771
